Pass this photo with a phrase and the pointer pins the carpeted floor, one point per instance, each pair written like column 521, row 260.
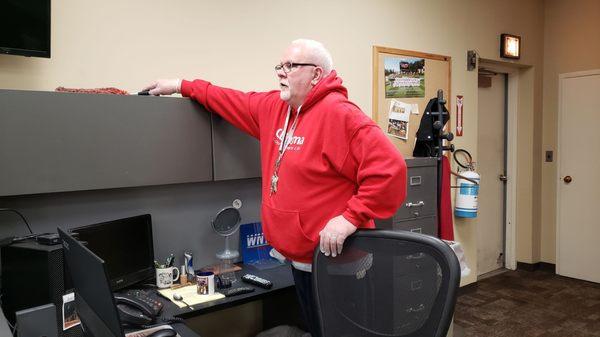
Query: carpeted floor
column 523, row 304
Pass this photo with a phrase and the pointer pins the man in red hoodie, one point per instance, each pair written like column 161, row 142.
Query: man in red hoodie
column 327, row 168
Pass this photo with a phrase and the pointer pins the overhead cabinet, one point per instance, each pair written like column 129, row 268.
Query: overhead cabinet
column 57, row 142
column 236, row 154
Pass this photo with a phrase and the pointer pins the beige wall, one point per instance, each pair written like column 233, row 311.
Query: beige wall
column 236, row 43
column 526, row 144
column 571, row 43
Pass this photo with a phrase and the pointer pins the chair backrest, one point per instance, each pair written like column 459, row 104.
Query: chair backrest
column 386, row 283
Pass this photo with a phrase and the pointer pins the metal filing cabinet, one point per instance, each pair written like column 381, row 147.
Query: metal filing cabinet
column 418, row 212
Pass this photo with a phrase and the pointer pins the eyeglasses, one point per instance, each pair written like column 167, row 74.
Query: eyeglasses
column 289, row 66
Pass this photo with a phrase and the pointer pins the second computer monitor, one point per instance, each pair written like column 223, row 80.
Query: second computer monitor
column 125, row 245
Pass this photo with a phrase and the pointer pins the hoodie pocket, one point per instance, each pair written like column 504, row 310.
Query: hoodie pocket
column 284, row 232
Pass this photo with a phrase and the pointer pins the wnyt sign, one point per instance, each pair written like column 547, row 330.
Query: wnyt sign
column 254, row 246
column 256, row 240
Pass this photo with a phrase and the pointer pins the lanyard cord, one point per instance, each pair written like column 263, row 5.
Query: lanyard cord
column 285, row 142
column 287, row 139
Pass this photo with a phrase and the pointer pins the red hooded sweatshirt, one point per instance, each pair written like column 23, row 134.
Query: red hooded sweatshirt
column 338, row 162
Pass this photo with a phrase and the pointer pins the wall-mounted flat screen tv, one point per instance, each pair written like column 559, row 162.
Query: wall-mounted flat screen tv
column 25, row 27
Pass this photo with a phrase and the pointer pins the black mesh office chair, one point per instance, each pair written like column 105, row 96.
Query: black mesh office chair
column 386, row 283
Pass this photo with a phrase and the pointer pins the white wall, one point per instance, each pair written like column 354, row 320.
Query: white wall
column 571, row 43
column 236, row 43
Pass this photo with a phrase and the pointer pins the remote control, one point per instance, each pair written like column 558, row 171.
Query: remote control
column 257, row 281
column 237, row 291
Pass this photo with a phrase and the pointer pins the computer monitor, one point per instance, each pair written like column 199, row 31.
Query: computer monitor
column 93, row 297
column 126, row 247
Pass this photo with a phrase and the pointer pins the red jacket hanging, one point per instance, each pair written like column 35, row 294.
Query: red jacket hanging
column 445, row 222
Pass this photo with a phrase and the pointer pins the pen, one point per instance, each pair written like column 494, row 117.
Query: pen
column 170, row 261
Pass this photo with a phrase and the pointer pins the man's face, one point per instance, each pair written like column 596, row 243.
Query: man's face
column 295, row 84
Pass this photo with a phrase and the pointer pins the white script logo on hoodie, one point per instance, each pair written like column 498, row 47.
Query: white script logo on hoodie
column 294, row 144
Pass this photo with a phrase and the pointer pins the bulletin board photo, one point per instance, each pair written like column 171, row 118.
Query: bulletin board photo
column 403, row 82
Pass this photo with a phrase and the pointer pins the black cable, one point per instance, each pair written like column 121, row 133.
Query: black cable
column 164, row 320
column 19, row 213
column 13, row 329
column 466, row 153
column 171, row 320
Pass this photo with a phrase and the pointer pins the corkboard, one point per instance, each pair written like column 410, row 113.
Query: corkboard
column 433, row 72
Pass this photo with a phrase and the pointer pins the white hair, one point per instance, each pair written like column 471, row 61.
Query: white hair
column 321, row 55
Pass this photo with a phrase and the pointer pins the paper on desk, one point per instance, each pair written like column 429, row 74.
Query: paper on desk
column 190, row 296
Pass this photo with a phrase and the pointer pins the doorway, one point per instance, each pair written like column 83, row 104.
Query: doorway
column 578, row 190
column 520, row 84
column 491, row 165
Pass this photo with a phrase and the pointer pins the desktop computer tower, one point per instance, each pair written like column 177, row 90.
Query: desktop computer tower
column 34, row 275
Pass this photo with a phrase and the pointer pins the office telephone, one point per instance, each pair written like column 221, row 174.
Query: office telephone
column 136, row 308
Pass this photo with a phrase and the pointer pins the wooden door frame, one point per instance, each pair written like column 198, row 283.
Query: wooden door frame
column 561, row 113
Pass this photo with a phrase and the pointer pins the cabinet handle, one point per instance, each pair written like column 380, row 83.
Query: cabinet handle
column 415, row 256
column 418, row 204
column 415, row 180
column 416, row 285
column 418, row 308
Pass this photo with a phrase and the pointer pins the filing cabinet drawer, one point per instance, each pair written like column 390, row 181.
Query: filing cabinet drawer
column 416, row 264
column 421, row 193
column 416, row 295
column 426, row 225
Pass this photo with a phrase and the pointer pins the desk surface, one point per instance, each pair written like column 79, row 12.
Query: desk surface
column 281, row 277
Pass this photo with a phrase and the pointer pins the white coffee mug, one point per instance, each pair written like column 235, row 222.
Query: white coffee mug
column 166, row 276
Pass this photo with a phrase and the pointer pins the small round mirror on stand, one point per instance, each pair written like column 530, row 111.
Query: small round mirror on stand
column 226, row 223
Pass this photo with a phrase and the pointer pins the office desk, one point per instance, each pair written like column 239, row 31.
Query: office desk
column 281, row 294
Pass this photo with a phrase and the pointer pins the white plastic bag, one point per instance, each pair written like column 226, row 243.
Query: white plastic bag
column 460, row 254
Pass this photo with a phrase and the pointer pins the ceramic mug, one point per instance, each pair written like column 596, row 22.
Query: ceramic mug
column 166, row 276
column 205, row 283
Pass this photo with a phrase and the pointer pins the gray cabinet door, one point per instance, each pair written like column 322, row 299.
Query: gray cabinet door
column 54, row 142
column 236, row 155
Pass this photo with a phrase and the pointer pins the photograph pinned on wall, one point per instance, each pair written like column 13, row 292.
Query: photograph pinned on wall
column 415, row 109
column 404, row 77
column 70, row 317
column 399, row 116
